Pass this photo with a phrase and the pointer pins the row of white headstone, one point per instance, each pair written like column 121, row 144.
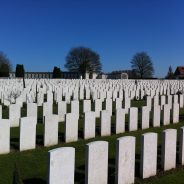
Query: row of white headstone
column 28, row 124
column 12, row 90
column 61, row 162
column 15, row 109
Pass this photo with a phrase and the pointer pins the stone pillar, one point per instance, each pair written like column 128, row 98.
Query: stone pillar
column 86, row 75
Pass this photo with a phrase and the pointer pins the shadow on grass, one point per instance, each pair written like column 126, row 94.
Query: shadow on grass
column 14, row 143
column 34, row 181
column 111, row 170
column 61, row 137
column 39, row 140
column 80, row 175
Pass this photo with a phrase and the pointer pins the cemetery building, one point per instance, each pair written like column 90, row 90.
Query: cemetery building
column 179, row 72
column 49, row 75
column 72, row 75
column 117, row 75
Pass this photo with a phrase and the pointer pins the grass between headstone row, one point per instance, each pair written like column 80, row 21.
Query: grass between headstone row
column 33, row 163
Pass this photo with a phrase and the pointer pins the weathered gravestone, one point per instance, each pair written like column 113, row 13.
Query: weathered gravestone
column 61, row 165
column 51, row 130
column 125, row 160
column 4, row 136
column 27, row 133
column 96, row 162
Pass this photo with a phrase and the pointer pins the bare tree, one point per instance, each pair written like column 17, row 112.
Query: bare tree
column 82, row 60
column 5, row 65
column 142, row 65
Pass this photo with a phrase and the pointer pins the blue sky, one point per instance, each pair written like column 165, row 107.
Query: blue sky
column 40, row 33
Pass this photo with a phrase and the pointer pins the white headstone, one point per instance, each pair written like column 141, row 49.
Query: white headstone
column 86, row 106
column 108, row 105
column 181, row 146
column 75, row 107
column 14, row 115
column 175, row 112
column 98, row 107
column 62, row 110
column 133, row 119
column 145, row 120
column 4, row 136
column 61, row 166
column 125, row 160
column 120, row 121
column 105, row 126
column 156, row 116
column 51, row 130
column 169, row 149
column 32, row 110
column 71, row 127
column 148, row 155
column 89, row 125
column 96, row 164
column 27, row 133
column 166, row 114
column 47, row 108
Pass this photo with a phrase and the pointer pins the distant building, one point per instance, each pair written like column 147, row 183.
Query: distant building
column 179, row 72
column 113, row 75
column 34, row 75
column 73, row 75
column 49, row 75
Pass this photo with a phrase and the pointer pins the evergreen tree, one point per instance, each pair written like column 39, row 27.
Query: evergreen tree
column 170, row 74
column 56, row 73
column 19, row 70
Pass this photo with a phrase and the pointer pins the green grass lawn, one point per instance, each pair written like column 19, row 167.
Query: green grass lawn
column 33, row 163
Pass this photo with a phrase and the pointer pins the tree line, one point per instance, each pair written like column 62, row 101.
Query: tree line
column 83, row 59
